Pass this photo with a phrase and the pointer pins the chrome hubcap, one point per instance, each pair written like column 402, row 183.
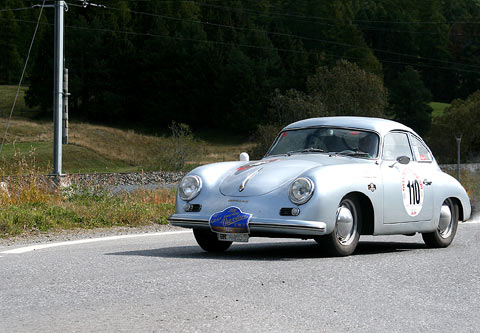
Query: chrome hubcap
column 346, row 225
column 445, row 225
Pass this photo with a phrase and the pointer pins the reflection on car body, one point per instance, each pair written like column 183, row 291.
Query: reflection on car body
column 329, row 179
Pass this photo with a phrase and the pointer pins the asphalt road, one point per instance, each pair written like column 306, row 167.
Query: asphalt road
column 165, row 282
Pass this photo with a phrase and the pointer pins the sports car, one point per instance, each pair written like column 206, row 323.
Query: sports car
column 329, row 179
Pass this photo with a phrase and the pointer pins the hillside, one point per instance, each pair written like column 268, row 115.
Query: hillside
column 95, row 148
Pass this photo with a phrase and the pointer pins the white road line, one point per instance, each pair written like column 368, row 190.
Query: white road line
column 90, row 240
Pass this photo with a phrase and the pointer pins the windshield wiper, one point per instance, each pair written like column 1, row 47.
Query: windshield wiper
column 358, row 153
column 306, row 150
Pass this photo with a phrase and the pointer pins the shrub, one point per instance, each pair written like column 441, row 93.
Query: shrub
column 181, row 148
column 461, row 118
column 263, row 138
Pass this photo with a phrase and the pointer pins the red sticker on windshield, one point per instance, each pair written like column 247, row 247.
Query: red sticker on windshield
column 284, row 134
column 354, row 133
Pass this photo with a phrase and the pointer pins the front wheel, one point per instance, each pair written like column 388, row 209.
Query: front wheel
column 348, row 223
column 447, row 226
column 209, row 241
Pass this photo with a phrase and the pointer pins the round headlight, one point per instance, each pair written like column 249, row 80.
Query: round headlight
column 189, row 187
column 301, row 190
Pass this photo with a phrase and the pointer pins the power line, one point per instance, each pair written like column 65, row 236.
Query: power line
column 21, row 77
column 133, row 33
column 329, row 18
column 15, row 9
column 300, row 15
column 370, row 28
column 291, row 35
column 261, row 47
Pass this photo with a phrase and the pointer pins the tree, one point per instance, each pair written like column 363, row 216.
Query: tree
column 461, row 118
column 409, row 101
column 347, row 90
column 11, row 61
column 344, row 90
column 293, row 106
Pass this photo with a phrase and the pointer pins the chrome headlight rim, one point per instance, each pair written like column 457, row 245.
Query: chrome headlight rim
column 195, row 193
column 304, row 198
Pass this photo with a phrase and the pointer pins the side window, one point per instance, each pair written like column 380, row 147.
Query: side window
column 420, row 151
column 396, row 145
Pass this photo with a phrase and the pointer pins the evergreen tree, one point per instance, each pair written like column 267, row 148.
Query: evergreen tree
column 11, row 61
column 409, row 101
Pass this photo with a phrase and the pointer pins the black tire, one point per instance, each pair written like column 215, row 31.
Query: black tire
column 444, row 234
column 209, row 242
column 339, row 243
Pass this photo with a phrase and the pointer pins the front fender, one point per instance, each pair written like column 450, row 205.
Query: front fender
column 332, row 183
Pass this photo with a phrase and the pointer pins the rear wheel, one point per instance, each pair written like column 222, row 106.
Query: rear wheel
column 447, row 226
column 344, row 239
column 209, row 242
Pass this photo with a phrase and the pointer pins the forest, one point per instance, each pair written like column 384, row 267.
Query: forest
column 227, row 64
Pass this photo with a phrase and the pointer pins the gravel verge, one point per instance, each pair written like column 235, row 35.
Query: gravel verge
column 112, row 180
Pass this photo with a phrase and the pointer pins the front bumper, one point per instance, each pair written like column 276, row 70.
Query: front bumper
column 260, row 227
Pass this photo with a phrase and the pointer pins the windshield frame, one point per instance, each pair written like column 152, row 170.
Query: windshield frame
column 379, row 143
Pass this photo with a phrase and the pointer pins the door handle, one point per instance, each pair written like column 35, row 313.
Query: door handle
column 427, row 182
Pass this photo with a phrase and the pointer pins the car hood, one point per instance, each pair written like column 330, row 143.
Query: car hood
column 260, row 177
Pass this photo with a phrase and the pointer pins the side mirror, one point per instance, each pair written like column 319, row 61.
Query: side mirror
column 244, row 157
column 403, row 159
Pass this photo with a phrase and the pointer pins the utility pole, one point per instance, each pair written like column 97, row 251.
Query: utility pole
column 58, row 88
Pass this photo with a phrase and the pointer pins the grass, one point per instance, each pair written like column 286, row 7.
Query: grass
column 76, row 159
column 30, row 206
column 95, row 148
column 84, row 209
column 438, row 108
column 471, row 182
column 27, row 206
column 7, row 96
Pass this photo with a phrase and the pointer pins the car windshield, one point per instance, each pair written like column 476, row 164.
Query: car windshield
column 330, row 140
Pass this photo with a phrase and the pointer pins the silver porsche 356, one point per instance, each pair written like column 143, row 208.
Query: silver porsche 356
column 328, row 179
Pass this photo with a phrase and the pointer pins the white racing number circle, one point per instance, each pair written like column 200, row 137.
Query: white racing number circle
column 412, row 192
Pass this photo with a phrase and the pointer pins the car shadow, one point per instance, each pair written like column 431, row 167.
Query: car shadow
column 270, row 251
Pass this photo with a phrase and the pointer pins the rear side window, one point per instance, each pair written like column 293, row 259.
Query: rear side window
column 396, row 145
column 421, row 153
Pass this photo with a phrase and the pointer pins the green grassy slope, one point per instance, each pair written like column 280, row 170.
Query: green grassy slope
column 438, row 108
column 75, row 159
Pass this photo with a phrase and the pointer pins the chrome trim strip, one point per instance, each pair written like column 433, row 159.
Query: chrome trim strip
column 285, row 226
column 190, row 223
column 247, row 179
column 175, row 221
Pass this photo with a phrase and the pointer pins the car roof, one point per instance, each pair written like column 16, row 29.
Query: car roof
column 382, row 126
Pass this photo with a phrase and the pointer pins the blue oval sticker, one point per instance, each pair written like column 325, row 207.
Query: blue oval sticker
column 230, row 220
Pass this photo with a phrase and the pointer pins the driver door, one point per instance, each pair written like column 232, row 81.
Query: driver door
column 406, row 197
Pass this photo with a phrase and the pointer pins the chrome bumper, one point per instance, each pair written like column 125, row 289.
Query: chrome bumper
column 261, row 227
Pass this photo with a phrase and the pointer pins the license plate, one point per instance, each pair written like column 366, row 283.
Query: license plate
column 233, row 237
